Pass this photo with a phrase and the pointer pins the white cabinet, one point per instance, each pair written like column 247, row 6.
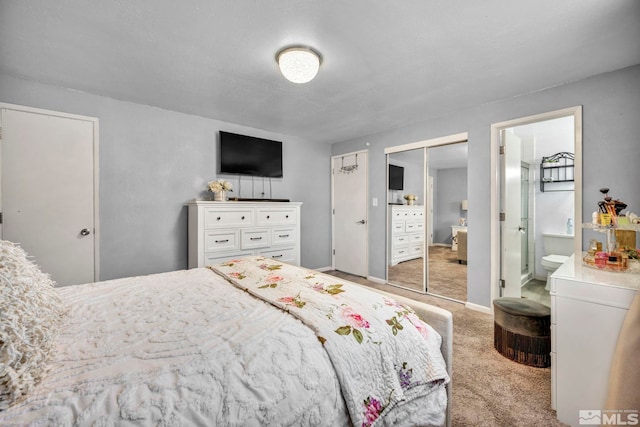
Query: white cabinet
column 406, row 241
column 454, row 234
column 219, row 231
column 588, row 307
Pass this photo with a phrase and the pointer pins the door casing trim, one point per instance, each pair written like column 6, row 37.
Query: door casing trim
column 496, row 128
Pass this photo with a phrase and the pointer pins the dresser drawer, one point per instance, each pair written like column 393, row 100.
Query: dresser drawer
column 401, row 252
column 227, row 217
column 416, row 250
column 401, row 240
column 411, row 227
column 255, row 238
column 217, row 258
column 284, row 254
column 397, row 227
column 416, row 237
column 275, row 216
column 284, row 236
column 223, row 240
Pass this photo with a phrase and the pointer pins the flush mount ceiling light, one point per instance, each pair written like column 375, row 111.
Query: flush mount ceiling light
column 298, row 64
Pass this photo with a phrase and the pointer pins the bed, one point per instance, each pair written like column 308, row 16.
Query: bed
column 203, row 347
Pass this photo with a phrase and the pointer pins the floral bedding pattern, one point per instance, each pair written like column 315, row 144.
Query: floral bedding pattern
column 383, row 354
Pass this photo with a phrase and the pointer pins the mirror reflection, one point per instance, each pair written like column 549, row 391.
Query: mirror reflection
column 447, row 221
column 427, row 213
column 407, row 225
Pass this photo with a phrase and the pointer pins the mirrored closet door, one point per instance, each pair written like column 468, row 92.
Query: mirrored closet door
column 427, row 217
column 406, row 219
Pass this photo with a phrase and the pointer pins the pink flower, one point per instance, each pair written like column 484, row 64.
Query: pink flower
column 287, row 300
column 319, row 287
column 353, row 318
column 273, row 278
column 372, row 409
column 419, row 324
column 392, row 303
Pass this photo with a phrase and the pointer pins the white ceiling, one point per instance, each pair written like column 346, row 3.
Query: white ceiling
column 385, row 63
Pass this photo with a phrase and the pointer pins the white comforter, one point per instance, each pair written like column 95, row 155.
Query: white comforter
column 187, row 348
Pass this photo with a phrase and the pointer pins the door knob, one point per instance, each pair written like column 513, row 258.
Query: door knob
column 362, row 221
column 84, row 232
column 521, row 229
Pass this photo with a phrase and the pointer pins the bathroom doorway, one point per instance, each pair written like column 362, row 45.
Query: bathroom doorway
column 525, row 207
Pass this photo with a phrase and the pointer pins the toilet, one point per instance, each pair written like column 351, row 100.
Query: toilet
column 557, row 249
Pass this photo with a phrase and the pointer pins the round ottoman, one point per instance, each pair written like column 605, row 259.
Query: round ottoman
column 522, row 331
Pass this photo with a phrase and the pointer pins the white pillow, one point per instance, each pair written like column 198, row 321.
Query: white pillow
column 30, row 312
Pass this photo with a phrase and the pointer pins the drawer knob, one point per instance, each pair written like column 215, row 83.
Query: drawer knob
column 242, row 217
column 218, row 219
column 286, row 216
column 268, row 217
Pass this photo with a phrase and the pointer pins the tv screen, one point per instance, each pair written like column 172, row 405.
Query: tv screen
column 248, row 155
column 396, row 177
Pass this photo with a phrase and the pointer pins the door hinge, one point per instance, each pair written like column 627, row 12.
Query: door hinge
column 502, row 149
column 0, row 217
column 502, row 217
column 503, row 283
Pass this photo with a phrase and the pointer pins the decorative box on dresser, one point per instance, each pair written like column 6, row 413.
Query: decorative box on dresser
column 220, row 231
column 407, row 233
column 588, row 307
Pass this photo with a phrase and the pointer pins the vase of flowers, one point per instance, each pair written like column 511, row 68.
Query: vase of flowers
column 410, row 198
column 219, row 189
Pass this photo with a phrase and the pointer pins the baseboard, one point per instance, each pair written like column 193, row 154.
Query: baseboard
column 377, row 280
column 477, row 307
column 323, row 269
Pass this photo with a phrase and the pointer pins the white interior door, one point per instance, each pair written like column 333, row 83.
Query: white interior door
column 350, row 220
column 512, row 228
column 48, row 190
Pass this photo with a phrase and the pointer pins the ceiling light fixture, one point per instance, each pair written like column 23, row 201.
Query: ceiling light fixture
column 298, row 64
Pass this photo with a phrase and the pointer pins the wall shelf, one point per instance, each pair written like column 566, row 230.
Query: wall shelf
column 557, row 169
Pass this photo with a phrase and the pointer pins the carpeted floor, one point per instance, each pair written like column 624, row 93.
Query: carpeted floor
column 446, row 277
column 488, row 389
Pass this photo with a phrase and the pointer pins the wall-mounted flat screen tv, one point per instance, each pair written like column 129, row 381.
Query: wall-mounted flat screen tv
column 396, row 177
column 248, row 155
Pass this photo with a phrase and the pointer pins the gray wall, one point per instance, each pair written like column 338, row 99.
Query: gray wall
column 450, row 188
column 152, row 161
column 611, row 152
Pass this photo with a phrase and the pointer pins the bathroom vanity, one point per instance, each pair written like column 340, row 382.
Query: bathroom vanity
column 588, row 307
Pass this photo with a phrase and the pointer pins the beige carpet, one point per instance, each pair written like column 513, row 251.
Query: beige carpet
column 488, row 389
column 446, row 276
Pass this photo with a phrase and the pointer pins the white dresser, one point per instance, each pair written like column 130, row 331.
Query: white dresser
column 220, row 231
column 588, row 307
column 407, row 233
